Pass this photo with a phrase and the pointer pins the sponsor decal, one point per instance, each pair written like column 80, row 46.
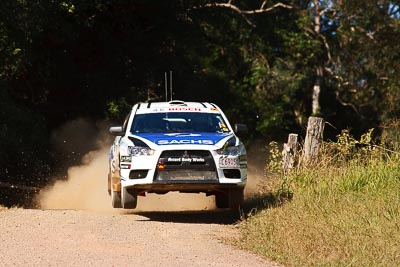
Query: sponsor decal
column 111, row 153
column 113, row 166
column 126, row 158
column 184, row 109
column 184, row 138
column 155, row 110
column 196, row 160
column 185, row 141
column 183, row 134
column 125, row 166
column 176, row 109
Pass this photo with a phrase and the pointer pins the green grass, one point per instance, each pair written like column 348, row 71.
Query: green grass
column 344, row 211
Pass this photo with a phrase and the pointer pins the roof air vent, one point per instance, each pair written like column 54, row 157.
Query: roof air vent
column 177, row 103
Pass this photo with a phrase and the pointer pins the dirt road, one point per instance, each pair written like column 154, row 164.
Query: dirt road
column 77, row 238
column 77, row 226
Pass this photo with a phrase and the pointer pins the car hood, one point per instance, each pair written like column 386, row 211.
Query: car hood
column 163, row 139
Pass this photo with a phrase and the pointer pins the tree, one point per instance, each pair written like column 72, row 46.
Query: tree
column 344, row 42
column 297, row 48
column 367, row 58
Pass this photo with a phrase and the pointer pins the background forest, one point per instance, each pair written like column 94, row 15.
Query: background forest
column 269, row 64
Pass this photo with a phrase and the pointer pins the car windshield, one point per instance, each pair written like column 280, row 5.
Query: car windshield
column 178, row 122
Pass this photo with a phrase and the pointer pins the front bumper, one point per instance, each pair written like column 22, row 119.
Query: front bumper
column 146, row 175
column 208, row 188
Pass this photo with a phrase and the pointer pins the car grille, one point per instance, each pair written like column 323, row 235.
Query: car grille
column 186, row 175
column 186, row 165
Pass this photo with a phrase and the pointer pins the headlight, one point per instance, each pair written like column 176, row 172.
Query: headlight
column 140, row 151
column 230, row 149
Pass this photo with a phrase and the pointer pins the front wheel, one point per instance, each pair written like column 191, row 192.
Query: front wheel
column 231, row 198
column 116, row 199
column 129, row 198
column 236, row 198
column 222, row 200
column 109, row 184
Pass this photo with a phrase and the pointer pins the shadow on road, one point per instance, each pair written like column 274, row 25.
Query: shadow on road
column 250, row 207
column 202, row 217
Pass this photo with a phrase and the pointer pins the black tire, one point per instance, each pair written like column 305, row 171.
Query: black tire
column 109, row 184
column 236, row 198
column 222, row 201
column 129, row 198
column 116, row 199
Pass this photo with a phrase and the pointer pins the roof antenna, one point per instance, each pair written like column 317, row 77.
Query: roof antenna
column 170, row 82
column 166, row 87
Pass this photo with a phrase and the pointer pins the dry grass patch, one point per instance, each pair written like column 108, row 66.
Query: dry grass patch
column 346, row 212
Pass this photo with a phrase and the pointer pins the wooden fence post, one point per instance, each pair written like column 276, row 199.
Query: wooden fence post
column 313, row 139
column 289, row 152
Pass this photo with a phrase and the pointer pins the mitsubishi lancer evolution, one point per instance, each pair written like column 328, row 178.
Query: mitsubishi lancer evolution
column 189, row 147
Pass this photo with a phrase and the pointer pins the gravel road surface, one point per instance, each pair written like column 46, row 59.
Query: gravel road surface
column 77, row 238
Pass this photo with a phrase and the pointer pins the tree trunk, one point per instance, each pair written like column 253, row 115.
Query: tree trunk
column 319, row 68
column 313, row 139
column 316, row 91
column 289, row 153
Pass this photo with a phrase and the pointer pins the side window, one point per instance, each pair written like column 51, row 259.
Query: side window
column 220, row 124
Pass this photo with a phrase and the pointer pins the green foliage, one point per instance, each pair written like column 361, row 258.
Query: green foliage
column 117, row 109
column 275, row 159
column 367, row 56
column 301, row 46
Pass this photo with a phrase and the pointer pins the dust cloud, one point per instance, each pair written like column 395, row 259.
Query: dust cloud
column 85, row 187
column 78, row 137
column 256, row 160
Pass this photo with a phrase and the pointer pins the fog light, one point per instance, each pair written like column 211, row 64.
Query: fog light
column 161, row 166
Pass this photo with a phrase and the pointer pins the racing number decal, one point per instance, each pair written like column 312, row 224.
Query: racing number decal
column 229, row 162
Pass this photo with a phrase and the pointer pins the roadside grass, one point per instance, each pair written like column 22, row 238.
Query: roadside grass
column 342, row 211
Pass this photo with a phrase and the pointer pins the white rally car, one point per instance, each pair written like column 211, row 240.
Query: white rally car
column 177, row 146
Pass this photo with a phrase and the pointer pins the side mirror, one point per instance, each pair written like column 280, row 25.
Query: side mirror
column 240, row 128
column 116, row 130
